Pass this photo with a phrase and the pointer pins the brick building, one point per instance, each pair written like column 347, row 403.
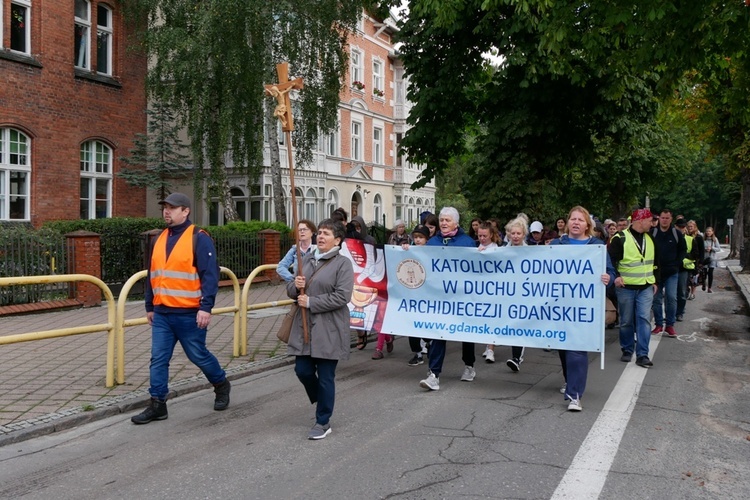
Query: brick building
column 72, row 99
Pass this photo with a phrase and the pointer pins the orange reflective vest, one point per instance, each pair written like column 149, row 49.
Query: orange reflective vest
column 174, row 280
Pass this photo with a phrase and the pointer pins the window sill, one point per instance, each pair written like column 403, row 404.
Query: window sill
column 378, row 98
column 19, row 57
column 358, row 91
column 96, row 77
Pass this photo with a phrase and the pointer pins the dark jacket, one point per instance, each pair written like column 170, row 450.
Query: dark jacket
column 461, row 239
column 671, row 249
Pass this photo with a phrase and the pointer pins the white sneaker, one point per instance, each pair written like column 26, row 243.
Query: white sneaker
column 575, row 405
column 490, row 357
column 468, row 374
column 431, row 382
column 562, row 389
column 484, row 354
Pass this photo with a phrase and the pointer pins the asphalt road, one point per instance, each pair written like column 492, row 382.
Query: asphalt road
column 678, row 430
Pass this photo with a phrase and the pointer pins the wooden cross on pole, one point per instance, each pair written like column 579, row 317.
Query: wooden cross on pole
column 280, row 92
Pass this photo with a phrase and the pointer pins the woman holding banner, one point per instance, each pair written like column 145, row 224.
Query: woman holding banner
column 579, row 230
column 449, row 234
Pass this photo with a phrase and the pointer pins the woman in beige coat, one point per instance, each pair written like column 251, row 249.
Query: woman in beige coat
column 331, row 280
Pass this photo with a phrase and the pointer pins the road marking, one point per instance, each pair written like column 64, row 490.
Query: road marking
column 587, row 473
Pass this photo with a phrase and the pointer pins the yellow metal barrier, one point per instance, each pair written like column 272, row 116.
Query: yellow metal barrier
column 75, row 330
column 240, row 340
column 121, row 322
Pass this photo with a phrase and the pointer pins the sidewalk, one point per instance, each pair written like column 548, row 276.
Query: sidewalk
column 48, row 385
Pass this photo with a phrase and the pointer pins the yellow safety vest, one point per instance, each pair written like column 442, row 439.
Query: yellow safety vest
column 637, row 265
column 687, row 262
column 175, row 280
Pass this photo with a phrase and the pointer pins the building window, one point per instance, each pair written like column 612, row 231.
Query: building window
column 377, row 205
column 330, row 146
column 311, row 210
column 103, row 40
column 216, row 209
column 356, row 141
column 96, row 180
column 356, row 72
column 20, row 26
column 332, row 203
column 82, row 34
column 398, row 207
column 15, row 169
column 377, row 76
column 377, row 145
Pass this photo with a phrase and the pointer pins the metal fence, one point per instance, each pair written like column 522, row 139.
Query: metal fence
column 32, row 254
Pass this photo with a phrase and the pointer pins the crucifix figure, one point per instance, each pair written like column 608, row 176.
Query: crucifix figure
column 280, row 91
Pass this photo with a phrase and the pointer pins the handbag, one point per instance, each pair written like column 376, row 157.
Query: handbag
column 286, row 324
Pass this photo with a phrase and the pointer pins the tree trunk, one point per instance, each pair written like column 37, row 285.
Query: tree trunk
column 742, row 232
column 273, row 143
column 735, row 241
column 227, row 202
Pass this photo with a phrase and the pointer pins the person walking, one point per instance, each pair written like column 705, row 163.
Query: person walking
column 450, row 235
column 670, row 250
column 633, row 253
column 712, row 247
column 181, row 285
column 287, row 268
column 324, row 290
column 575, row 364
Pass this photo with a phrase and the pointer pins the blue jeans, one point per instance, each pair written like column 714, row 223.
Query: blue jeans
column 682, row 292
column 668, row 287
column 318, row 376
column 635, row 319
column 166, row 331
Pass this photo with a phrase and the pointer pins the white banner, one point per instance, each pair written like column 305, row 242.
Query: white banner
column 536, row 296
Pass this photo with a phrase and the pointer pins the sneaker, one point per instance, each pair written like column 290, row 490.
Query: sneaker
column 377, row 354
column 680, row 317
column 156, row 410
column 468, row 374
column 670, row 332
column 514, row 364
column 431, row 382
column 484, row 354
column 626, row 357
column 691, row 296
column 490, row 358
column 425, row 347
column 657, row 330
column 416, row 360
column 562, row 389
column 319, row 431
column 389, row 346
column 644, row 362
column 710, row 291
column 221, row 401
column 575, row 404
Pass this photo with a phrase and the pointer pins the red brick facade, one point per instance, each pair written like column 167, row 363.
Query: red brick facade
column 59, row 107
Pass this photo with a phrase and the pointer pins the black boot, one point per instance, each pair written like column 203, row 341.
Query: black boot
column 157, row 410
column 222, row 395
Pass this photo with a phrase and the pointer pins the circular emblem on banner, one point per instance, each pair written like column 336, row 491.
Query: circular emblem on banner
column 411, row 273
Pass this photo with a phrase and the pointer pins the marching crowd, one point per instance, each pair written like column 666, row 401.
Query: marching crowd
column 654, row 266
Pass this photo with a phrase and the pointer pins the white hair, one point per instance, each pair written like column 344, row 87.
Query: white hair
column 449, row 212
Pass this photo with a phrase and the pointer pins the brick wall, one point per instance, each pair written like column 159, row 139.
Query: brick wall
column 59, row 110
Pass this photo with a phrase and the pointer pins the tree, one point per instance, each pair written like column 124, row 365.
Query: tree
column 571, row 110
column 211, row 59
column 158, row 157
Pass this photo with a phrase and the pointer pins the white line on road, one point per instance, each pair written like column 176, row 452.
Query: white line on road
column 588, row 471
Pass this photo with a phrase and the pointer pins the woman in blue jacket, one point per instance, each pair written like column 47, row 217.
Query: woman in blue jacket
column 579, row 230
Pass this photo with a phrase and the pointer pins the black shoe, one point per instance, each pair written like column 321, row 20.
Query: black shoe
column 626, row 357
column 157, row 410
column 222, row 395
column 514, row 364
column 644, row 362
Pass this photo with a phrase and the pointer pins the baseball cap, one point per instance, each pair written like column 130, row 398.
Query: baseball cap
column 680, row 222
column 176, row 200
column 536, row 227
